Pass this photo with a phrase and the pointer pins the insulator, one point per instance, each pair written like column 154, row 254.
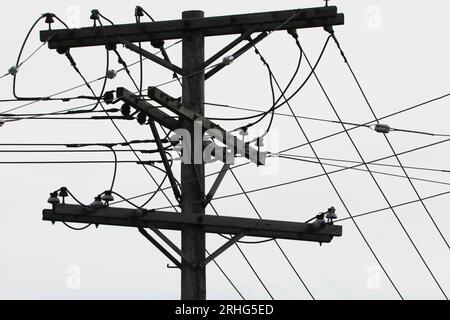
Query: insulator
column 49, row 18
column 108, row 97
column 228, row 60
column 63, row 192
column 53, row 198
column 243, row 131
column 111, row 74
column 382, row 128
column 95, row 14
column 141, row 118
column 107, row 196
column 126, row 110
column 138, row 11
column 97, row 203
column 331, row 214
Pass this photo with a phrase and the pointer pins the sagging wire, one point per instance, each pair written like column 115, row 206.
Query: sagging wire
column 49, row 18
column 278, row 105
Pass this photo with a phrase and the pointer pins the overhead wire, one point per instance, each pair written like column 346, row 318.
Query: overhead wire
column 118, row 129
column 358, row 169
column 278, row 185
column 258, row 277
column 328, row 176
column 396, row 206
column 382, row 192
column 288, row 260
column 347, row 63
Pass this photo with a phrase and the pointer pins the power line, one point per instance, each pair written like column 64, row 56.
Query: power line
column 396, row 206
column 299, row 179
column 80, row 85
column 377, row 172
column 396, row 157
column 275, row 241
column 366, row 125
column 65, row 162
column 329, row 178
column 373, row 177
column 372, row 163
column 73, row 151
column 248, row 261
column 227, row 277
column 117, row 128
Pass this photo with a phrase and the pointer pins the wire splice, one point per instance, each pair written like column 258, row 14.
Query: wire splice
column 13, row 70
column 111, row 74
column 382, row 128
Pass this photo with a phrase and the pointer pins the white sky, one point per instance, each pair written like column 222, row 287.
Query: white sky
column 398, row 49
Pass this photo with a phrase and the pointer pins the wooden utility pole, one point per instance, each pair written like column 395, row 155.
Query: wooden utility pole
column 193, row 28
column 193, row 281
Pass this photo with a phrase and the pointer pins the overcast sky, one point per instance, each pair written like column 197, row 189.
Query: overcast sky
column 400, row 53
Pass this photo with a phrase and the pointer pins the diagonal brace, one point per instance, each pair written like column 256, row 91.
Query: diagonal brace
column 172, row 245
column 151, row 56
column 160, row 247
column 237, row 54
column 217, row 183
column 231, row 45
column 143, row 106
column 167, row 166
column 221, row 250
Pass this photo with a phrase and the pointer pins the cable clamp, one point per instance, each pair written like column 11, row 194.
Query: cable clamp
column 13, row 70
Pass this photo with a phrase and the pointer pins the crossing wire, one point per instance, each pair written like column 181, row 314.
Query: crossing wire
column 393, row 151
column 331, row 181
column 373, row 177
column 247, row 261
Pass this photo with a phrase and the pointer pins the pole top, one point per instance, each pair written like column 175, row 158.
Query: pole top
column 192, row 14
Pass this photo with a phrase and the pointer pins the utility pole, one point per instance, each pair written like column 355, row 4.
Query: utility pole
column 193, row 223
column 193, row 281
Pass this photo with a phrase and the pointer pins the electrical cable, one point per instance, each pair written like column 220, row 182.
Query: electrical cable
column 357, row 169
column 394, row 152
column 372, row 176
column 226, row 277
column 246, row 259
column 139, row 88
column 123, row 137
column 275, row 241
column 18, row 63
column 374, row 164
column 277, row 106
column 76, row 229
column 366, row 125
column 329, row 178
column 396, row 206
column 300, row 179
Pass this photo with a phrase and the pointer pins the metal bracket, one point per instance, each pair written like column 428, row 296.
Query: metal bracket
column 245, row 35
column 162, row 62
column 216, row 183
column 221, row 250
column 237, row 54
column 238, row 145
column 159, row 247
column 172, row 245
column 163, row 155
